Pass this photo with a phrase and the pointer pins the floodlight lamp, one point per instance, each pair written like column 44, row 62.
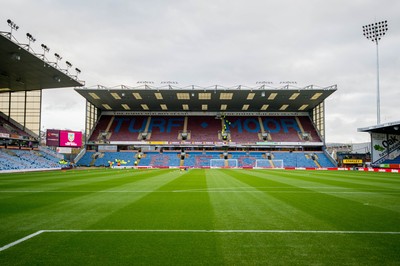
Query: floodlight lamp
column 30, row 37
column 374, row 31
column 58, row 57
column 12, row 25
column 45, row 48
column 78, row 70
column 68, row 64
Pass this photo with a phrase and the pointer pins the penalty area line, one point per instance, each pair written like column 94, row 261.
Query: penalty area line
column 21, row 240
column 195, row 231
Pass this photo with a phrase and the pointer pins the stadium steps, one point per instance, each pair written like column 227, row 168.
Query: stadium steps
column 110, row 123
column 109, row 126
column 262, row 129
column 299, row 124
column 147, row 127
column 261, row 124
column 185, row 123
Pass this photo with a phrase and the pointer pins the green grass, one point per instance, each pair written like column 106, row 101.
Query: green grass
column 200, row 217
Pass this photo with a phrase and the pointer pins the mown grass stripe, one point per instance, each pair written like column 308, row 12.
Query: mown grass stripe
column 219, row 231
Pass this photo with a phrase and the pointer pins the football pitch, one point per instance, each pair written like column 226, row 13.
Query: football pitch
column 199, row 217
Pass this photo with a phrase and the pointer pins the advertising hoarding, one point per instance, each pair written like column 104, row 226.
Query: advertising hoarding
column 52, row 137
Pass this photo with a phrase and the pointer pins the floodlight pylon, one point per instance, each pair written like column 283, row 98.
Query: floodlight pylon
column 375, row 32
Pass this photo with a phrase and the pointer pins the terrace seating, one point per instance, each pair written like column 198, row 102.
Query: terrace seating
column 323, row 160
column 303, row 159
column 127, row 128
column 281, row 128
column 92, row 158
column 158, row 159
column 204, row 128
column 165, row 128
column 125, row 158
column 243, row 129
column 86, row 159
column 294, row 159
column 26, row 159
column 101, row 126
column 247, row 159
column 308, row 127
column 200, row 159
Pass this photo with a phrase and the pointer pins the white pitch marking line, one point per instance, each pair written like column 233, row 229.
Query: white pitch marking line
column 194, row 231
column 208, row 191
column 21, row 240
column 221, row 231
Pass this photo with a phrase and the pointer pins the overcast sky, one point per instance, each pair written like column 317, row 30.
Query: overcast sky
column 224, row 42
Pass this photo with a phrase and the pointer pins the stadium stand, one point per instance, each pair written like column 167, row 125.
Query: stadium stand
column 307, row 130
column 125, row 128
column 248, row 159
column 161, row 159
column 27, row 159
column 101, row 130
column 104, row 159
column 243, row 129
column 200, row 159
column 209, row 130
column 165, row 128
column 204, row 128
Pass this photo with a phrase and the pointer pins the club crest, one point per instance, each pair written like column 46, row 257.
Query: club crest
column 71, row 136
